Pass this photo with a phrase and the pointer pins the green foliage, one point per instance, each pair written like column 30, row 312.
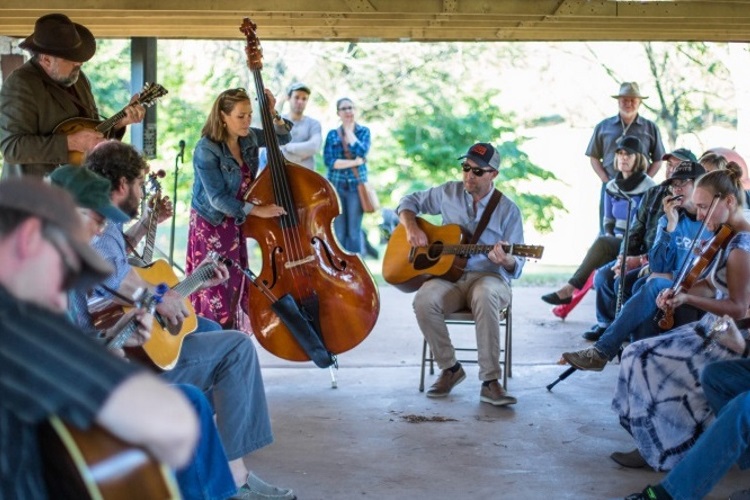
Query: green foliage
column 434, row 134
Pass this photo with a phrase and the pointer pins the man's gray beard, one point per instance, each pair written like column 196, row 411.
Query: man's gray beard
column 71, row 80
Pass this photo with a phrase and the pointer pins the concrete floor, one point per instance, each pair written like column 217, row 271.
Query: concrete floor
column 359, row 440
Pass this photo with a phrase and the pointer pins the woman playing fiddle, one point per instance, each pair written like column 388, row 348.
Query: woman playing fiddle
column 225, row 162
column 659, row 398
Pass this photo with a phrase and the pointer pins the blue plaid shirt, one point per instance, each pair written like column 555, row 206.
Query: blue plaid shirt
column 334, row 150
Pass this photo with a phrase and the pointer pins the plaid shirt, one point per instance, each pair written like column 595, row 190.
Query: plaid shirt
column 334, row 150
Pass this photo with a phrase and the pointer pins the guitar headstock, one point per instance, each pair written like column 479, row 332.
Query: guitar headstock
column 153, row 186
column 150, row 93
column 527, row 251
column 253, row 50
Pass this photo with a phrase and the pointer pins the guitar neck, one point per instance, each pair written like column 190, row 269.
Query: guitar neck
column 110, row 122
column 148, row 247
column 195, row 280
column 468, row 249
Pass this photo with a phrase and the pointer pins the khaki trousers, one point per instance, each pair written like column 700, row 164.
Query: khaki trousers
column 486, row 294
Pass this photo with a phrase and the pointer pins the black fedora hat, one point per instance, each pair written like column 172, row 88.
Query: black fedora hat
column 57, row 35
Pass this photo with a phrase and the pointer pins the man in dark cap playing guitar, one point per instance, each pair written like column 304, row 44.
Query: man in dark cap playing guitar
column 484, row 286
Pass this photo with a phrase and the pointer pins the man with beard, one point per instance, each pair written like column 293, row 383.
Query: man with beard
column 222, row 363
column 45, row 91
column 484, row 286
column 627, row 122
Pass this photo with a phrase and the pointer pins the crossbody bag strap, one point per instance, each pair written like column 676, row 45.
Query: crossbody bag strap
column 494, row 200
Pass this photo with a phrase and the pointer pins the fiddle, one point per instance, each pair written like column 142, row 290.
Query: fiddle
column 701, row 262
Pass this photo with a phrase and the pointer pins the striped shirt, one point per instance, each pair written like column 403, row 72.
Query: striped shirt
column 46, row 368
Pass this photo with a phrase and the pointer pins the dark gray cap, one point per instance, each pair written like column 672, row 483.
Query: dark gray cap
column 56, row 206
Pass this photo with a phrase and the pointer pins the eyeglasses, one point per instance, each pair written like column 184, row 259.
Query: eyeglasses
column 479, row 172
column 100, row 221
column 679, row 183
column 346, row 108
column 70, row 272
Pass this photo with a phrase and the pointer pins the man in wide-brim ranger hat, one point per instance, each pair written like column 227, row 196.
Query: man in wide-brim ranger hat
column 47, row 90
column 603, row 143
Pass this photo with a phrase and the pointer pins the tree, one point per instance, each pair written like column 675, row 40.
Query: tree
column 440, row 130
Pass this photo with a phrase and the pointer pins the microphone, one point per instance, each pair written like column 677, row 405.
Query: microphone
column 181, row 154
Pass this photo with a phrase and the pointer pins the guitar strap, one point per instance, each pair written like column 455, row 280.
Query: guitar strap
column 494, row 200
column 344, row 145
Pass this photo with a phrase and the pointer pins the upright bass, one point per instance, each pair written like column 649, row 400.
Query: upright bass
column 301, row 257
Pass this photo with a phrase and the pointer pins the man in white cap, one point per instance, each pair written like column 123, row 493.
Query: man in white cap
column 602, row 146
column 47, row 90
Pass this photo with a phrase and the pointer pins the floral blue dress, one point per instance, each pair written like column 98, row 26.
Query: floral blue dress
column 659, row 398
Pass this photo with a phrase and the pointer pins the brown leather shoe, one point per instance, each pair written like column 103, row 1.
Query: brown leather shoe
column 631, row 459
column 494, row 394
column 445, row 382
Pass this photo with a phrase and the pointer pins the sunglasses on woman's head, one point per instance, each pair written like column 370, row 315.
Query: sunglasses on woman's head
column 479, row 172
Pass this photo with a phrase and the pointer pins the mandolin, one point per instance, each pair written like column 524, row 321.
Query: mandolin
column 147, row 97
column 407, row 267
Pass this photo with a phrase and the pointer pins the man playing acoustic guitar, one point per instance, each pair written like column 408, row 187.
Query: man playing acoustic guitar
column 47, row 366
column 47, row 90
column 484, row 287
column 220, row 362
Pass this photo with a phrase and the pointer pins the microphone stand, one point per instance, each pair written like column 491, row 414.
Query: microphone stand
column 620, row 288
column 181, row 159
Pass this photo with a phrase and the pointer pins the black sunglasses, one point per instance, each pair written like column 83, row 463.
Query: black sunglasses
column 479, row 172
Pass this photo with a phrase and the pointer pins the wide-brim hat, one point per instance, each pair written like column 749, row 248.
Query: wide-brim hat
column 57, row 35
column 629, row 89
column 55, row 206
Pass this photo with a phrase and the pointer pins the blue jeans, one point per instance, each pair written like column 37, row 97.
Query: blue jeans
column 225, row 365
column 641, row 307
column 606, row 286
column 348, row 225
column 207, row 476
column 726, row 441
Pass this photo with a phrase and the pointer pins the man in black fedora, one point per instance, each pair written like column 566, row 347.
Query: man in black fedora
column 46, row 90
column 603, row 143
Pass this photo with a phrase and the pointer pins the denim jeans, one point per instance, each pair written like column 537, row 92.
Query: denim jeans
column 641, row 307
column 726, row 441
column 348, row 225
column 606, row 286
column 207, row 476
column 225, row 365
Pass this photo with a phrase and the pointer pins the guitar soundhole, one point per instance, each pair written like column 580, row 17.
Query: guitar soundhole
column 427, row 260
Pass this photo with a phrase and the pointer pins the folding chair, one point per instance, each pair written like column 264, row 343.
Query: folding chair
column 466, row 318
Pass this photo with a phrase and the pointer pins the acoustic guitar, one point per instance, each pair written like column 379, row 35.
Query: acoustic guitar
column 147, row 97
column 93, row 464
column 164, row 346
column 407, row 267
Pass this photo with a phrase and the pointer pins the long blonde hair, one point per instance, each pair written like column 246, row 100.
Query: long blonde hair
column 214, row 128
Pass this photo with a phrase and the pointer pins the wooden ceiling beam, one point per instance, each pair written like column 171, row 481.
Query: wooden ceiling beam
column 397, row 20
